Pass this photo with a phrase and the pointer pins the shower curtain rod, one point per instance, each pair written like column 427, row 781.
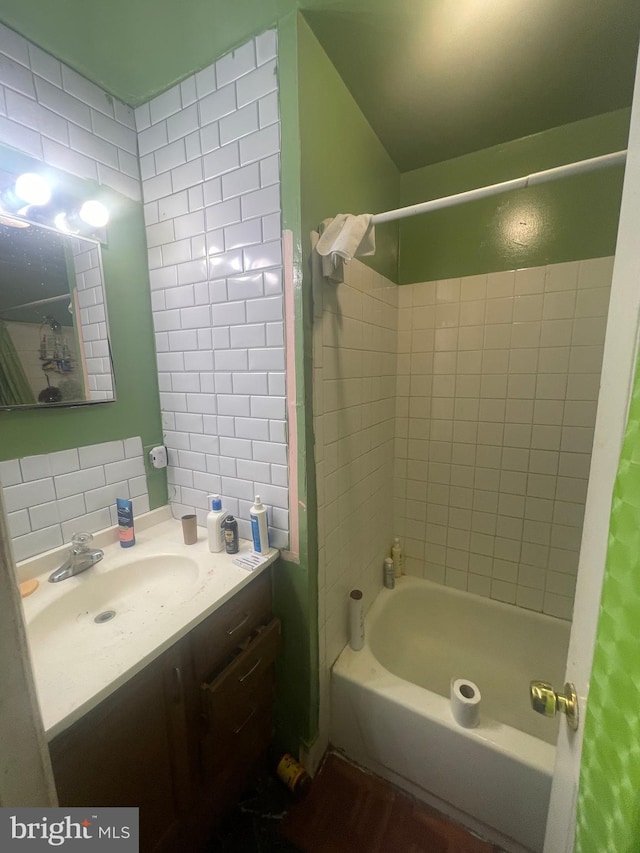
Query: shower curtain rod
column 617, row 158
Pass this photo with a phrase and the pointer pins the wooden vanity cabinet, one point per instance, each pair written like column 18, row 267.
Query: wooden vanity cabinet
column 181, row 738
column 131, row 750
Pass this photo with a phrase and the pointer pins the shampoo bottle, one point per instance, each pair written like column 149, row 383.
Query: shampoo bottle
column 259, row 528
column 396, row 556
column 215, row 520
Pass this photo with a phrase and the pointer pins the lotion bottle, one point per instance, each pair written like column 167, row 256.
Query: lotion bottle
column 259, row 528
column 215, row 520
column 396, row 556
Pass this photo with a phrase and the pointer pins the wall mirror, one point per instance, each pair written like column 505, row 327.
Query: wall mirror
column 54, row 342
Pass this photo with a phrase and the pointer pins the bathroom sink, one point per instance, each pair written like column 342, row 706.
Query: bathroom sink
column 100, row 607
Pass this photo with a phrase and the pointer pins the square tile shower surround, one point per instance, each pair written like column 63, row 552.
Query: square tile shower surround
column 495, row 385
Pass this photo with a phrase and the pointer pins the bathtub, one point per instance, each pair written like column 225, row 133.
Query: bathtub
column 390, row 708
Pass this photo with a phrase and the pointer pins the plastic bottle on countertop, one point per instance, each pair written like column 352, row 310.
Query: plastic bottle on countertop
column 259, row 528
column 396, row 556
column 215, row 520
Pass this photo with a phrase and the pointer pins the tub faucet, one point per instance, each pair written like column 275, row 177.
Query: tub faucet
column 81, row 558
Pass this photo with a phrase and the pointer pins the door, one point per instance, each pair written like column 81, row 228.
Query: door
column 615, row 391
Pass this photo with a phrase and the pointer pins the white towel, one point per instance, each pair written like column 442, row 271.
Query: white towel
column 342, row 238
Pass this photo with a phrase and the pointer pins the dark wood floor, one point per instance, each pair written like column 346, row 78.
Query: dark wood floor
column 350, row 811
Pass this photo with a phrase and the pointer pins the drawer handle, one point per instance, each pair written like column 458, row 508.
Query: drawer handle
column 253, row 669
column 231, row 631
column 242, row 725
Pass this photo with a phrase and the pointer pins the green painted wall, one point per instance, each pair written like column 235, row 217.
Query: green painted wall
column 608, row 816
column 137, row 409
column 563, row 220
column 344, row 168
column 295, row 584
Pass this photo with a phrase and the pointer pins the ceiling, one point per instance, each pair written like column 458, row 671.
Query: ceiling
column 446, row 77
column 435, row 78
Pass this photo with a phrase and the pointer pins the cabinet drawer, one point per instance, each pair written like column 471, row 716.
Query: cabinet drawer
column 229, row 759
column 243, row 683
column 217, row 636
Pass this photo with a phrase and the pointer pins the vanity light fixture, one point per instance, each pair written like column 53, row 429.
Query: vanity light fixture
column 33, row 197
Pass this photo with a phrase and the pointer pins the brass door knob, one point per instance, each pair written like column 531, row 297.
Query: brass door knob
column 545, row 700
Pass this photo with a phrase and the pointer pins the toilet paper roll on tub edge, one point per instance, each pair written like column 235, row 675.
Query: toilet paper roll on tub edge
column 465, row 702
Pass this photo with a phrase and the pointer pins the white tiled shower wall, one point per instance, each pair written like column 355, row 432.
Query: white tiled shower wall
column 210, row 169
column 498, row 380
column 354, row 366
column 494, row 381
column 494, row 391
column 50, row 497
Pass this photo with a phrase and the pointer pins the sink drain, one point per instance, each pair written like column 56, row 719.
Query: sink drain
column 105, row 616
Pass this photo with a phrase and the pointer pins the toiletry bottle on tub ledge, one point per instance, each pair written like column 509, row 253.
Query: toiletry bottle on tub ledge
column 396, row 556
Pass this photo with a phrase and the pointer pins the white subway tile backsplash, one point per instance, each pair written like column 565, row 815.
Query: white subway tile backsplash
column 61, row 504
column 170, row 156
column 260, row 145
column 36, row 542
column 235, row 64
column 19, row 523
column 165, row 105
column 247, row 336
column 218, row 104
column 25, row 495
column 10, row 473
column 29, row 141
column 69, row 160
column 66, row 110
column 265, row 255
column 242, row 234
column 266, row 46
column 239, row 123
column 269, row 170
column 261, row 202
column 187, row 175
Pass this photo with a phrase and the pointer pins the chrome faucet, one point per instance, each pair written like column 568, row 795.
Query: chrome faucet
column 81, row 558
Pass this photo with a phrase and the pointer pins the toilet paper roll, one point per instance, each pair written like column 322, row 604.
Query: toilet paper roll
column 465, row 702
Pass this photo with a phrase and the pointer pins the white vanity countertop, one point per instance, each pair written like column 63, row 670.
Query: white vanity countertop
column 76, row 662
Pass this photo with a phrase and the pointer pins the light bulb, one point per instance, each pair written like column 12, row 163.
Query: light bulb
column 62, row 223
column 94, row 213
column 33, row 189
